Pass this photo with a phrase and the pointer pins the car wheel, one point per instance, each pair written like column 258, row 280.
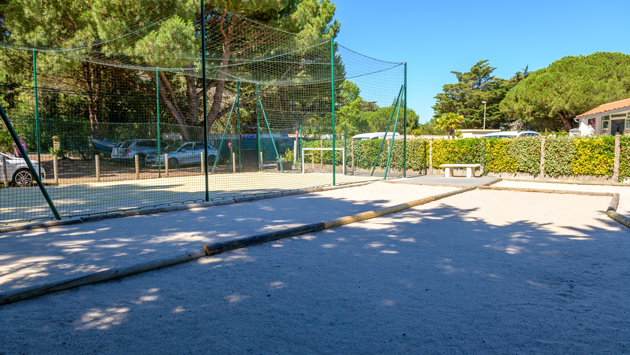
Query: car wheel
column 173, row 163
column 211, row 160
column 23, row 178
column 141, row 160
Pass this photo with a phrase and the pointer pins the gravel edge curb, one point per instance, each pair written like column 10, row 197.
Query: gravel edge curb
column 208, row 250
column 173, row 208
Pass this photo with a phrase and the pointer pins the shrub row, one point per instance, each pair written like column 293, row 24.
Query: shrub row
column 563, row 155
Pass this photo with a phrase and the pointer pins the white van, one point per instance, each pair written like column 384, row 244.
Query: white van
column 512, row 134
column 376, row 135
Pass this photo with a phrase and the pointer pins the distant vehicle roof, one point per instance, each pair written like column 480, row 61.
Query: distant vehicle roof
column 511, row 134
column 374, row 134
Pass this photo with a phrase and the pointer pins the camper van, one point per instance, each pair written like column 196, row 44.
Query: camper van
column 376, row 135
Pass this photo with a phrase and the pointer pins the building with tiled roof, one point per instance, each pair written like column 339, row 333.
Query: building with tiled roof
column 606, row 119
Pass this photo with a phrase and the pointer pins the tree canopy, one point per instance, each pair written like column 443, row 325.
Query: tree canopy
column 173, row 41
column 363, row 116
column 472, row 88
column 551, row 97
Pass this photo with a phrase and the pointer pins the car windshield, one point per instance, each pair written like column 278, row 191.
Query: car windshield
column 125, row 144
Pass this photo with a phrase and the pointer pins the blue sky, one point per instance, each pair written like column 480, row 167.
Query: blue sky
column 437, row 37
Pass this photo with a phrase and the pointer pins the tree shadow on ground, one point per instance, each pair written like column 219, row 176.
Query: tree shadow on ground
column 435, row 279
column 43, row 255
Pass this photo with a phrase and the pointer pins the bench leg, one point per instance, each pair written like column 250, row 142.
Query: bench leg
column 470, row 172
column 448, row 172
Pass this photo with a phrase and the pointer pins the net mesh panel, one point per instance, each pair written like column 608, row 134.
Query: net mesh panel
column 102, row 102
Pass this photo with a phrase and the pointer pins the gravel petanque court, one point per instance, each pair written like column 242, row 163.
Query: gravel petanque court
column 480, row 272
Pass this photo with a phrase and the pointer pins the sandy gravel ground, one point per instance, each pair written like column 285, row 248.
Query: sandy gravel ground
column 43, row 255
column 623, row 191
column 481, row 272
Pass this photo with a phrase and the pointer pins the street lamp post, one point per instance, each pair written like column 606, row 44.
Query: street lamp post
column 484, row 114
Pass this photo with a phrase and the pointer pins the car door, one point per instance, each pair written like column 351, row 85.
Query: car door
column 197, row 153
column 186, row 153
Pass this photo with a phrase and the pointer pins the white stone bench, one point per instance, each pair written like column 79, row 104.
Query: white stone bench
column 470, row 169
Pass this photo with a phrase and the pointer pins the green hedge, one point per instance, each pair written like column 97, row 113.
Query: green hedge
column 559, row 154
column 454, row 151
column 525, row 152
column 563, row 155
column 497, row 157
column 417, row 154
column 366, row 151
column 594, row 156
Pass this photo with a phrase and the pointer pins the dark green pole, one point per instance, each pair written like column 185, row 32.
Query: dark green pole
column 157, row 101
column 391, row 147
column 345, row 147
column 258, row 132
column 39, row 157
column 205, row 97
column 238, row 113
column 227, row 125
column 28, row 162
column 387, row 130
column 405, row 128
column 273, row 142
column 300, row 149
column 332, row 76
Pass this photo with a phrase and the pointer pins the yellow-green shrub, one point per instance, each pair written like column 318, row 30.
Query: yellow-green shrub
column 593, row 156
column 497, row 157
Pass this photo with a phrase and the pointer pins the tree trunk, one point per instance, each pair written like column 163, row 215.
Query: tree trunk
column 566, row 121
column 93, row 82
column 193, row 99
column 171, row 104
column 213, row 114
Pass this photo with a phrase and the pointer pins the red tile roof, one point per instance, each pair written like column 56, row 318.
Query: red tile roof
column 607, row 107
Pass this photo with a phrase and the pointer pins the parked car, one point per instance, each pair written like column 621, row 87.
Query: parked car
column 127, row 150
column 185, row 154
column 376, row 135
column 512, row 134
column 18, row 173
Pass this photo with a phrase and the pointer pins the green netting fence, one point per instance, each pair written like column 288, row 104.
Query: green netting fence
column 114, row 119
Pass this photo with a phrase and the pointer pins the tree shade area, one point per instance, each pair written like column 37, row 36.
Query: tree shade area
column 545, row 99
column 77, row 76
column 467, row 96
column 108, row 49
column 551, row 97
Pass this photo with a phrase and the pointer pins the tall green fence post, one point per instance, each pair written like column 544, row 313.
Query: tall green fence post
column 391, row 147
column 39, row 156
column 157, row 103
column 205, row 97
column 227, row 125
column 332, row 77
column 345, row 147
column 396, row 105
column 405, row 128
column 273, row 141
column 258, row 132
column 238, row 113
column 16, row 140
